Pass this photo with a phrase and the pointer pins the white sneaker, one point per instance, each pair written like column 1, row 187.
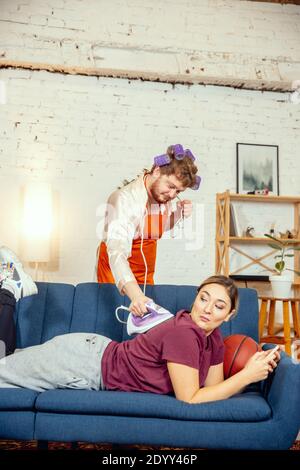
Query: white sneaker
column 13, row 276
column 8, row 256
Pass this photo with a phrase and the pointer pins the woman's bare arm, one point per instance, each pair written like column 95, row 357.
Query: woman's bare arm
column 215, row 375
column 185, row 380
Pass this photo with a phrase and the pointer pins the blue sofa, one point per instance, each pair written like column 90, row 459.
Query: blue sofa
column 265, row 416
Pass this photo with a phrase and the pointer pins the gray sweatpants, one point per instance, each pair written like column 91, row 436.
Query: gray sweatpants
column 67, row 361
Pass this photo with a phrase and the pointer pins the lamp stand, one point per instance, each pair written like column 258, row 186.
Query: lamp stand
column 36, row 270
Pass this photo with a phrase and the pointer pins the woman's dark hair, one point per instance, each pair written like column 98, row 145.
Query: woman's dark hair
column 229, row 285
column 185, row 170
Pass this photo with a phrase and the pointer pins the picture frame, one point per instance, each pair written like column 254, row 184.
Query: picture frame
column 257, row 168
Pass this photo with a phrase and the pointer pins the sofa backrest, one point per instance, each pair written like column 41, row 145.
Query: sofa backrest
column 90, row 307
column 43, row 316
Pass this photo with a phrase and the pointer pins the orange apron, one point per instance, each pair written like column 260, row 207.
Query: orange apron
column 153, row 230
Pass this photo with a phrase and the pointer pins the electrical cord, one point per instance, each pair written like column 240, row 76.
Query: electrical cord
column 122, row 307
column 181, row 213
column 142, row 253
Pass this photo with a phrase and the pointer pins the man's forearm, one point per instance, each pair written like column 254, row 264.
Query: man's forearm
column 132, row 290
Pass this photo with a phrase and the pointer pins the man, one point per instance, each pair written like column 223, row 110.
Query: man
column 136, row 217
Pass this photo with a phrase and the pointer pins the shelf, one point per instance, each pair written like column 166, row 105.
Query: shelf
column 227, row 225
column 258, row 198
column 249, row 277
column 262, row 240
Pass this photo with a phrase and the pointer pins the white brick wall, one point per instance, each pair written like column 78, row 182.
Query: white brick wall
column 85, row 135
column 209, row 38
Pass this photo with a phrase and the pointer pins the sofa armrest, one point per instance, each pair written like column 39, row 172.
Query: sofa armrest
column 281, row 390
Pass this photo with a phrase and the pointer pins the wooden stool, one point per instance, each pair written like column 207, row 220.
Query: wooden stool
column 267, row 309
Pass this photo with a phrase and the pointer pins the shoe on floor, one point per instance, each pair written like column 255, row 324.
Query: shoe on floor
column 13, row 276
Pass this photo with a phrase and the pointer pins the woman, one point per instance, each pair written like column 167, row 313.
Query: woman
column 182, row 356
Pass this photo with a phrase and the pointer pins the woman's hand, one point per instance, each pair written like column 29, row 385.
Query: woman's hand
column 274, row 361
column 260, row 365
column 137, row 306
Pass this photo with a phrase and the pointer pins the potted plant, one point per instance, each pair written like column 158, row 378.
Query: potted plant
column 281, row 281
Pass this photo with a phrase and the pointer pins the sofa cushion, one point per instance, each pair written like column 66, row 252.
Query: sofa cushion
column 17, row 399
column 43, row 316
column 94, row 310
column 244, row 407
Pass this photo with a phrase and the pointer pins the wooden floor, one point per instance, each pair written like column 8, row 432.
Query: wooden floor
column 32, row 445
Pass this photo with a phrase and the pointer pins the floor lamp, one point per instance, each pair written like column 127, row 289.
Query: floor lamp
column 37, row 223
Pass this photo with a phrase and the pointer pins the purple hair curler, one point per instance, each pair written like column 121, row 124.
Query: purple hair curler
column 197, row 183
column 162, row 160
column 178, row 151
column 188, row 153
column 179, row 154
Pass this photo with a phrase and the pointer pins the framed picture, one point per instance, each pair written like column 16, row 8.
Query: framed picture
column 257, row 168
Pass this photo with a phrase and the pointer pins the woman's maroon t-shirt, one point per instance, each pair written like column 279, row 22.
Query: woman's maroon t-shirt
column 140, row 364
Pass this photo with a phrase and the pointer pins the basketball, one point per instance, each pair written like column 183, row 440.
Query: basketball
column 238, row 350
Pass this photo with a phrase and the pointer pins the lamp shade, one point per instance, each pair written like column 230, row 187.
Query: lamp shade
column 37, row 222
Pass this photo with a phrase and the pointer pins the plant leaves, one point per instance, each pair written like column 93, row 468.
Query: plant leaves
column 280, row 266
column 275, row 247
column 294, row 271
column 274, row 238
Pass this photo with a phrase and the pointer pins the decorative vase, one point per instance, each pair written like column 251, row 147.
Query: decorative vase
column 281, row 285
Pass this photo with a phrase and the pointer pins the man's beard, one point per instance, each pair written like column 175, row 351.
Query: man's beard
column 159, row 198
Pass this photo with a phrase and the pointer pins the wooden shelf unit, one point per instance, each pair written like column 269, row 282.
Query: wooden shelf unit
column 225, row 242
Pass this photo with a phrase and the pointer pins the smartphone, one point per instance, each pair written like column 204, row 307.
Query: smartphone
column 271, row 351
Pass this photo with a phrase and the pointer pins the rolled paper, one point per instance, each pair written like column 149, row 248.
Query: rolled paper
column 178, row 151
column 197, row 183
column 188, row 153
column 162, row 160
